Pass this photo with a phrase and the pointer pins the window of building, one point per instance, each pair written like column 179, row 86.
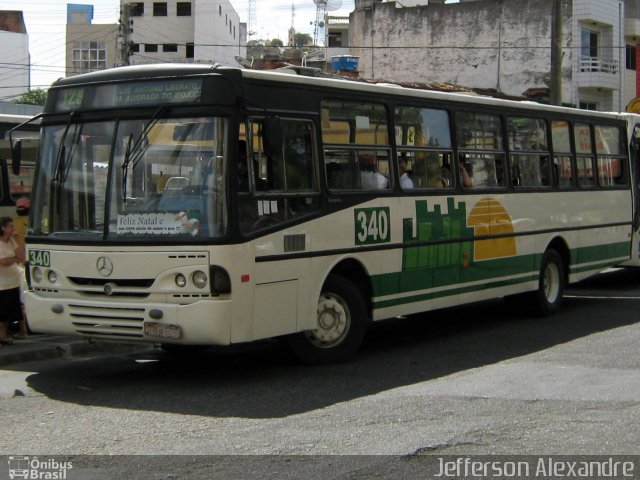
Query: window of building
column 335, row 39
column 150, row 47
column 89, row 56
column 169, row 47
column 189, row 50
column 588, row 106
column 137, row 9
column 220, row 10
column 135, row 47
column 631, row 57
column 183, row 9
column 589, row 45
column 159, row 9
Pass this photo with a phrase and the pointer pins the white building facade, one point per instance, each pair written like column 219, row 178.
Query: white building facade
column 189, row 31
column 14, row 52
column 502, row 45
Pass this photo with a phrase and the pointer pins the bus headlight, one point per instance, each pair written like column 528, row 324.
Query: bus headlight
column 199, row 279
column 52, row 276
column 181, row 280
column 37, row 274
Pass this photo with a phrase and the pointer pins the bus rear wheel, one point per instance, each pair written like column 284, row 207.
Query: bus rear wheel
column 548, row 298
column 341, row 325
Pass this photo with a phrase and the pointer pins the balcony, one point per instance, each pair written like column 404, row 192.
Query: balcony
column 596, row 72
column 597, row 64
column 632, row 27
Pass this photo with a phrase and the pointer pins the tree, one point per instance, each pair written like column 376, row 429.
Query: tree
column 276, row 42
column 302, row 40
column 37, row 96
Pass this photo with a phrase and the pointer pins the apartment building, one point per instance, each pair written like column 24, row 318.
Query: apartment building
column 89, row 46
column 14, row 52
column 202, row 31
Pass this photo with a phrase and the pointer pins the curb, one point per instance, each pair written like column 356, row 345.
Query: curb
column 48, row 347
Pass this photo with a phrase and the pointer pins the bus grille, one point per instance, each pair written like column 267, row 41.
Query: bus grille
column 113, row 322
column 123, row 283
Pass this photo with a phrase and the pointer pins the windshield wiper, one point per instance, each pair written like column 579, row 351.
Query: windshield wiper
column 133, row 154
column 62, row 156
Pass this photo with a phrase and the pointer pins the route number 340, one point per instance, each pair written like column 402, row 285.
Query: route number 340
column 372, row 225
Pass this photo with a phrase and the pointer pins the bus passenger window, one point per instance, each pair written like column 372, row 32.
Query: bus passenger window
column 584, row 154
column 610, row 156
column 563, row 171
column 562, row 166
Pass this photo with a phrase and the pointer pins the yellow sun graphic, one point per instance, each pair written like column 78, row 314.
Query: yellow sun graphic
column 489, row 217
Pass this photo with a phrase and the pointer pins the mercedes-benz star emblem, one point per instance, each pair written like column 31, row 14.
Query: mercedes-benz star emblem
column 104, row 266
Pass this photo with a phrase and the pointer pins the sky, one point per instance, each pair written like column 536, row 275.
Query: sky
column 46, row 19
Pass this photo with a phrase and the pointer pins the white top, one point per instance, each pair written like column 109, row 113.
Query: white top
column 9, row 276
column 405, row 181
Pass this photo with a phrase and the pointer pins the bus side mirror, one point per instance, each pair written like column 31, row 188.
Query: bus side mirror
column 272, row 136
column 16, row 156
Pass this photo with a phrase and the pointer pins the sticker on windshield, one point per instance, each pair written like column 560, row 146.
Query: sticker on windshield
column 165, row 223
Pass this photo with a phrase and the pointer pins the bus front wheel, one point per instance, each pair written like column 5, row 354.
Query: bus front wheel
column 548, row 298
column 341, row 325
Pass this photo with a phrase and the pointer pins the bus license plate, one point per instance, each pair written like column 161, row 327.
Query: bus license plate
column 152, row 329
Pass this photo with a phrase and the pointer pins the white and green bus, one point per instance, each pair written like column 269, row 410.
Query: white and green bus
column 191, row 205
column 16, row 182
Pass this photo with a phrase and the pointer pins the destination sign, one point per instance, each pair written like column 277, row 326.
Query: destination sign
column 129, row 94
column 158, row 92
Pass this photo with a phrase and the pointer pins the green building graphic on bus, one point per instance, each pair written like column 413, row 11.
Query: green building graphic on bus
column 435, row 227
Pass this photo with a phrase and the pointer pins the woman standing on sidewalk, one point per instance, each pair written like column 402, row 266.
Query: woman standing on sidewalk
column 11, row 256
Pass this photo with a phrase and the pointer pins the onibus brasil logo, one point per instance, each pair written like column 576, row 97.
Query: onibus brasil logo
column 36, row 469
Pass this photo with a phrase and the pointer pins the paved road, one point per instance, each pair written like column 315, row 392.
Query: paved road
column 470, row 380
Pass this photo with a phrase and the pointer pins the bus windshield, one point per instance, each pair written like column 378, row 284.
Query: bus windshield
column 148, row 179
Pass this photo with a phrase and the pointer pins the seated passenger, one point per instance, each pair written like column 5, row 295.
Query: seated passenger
column 405, row 179
column 369, row 178
column 465, row 180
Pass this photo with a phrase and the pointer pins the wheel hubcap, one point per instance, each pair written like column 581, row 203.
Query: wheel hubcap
column 333, row 322
column 551, row 282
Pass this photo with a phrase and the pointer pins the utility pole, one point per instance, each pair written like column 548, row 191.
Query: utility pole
column 555, row 94
column 125, row 29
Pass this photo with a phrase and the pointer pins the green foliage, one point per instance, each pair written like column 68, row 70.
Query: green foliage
column 37, row 96
column 276, row 42
column 302, row 40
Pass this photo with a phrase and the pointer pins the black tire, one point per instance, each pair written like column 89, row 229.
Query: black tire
column 342, row 323
column 547, row 300
column 182, row 350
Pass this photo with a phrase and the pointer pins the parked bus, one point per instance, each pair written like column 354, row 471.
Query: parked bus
column 15, row 185
column 191, row 205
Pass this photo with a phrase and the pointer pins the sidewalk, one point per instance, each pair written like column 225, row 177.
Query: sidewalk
column 44, row 347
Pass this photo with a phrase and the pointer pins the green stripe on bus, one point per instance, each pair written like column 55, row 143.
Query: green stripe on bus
column 490, row 273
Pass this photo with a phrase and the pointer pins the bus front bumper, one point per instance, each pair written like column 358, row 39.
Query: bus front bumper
column 200, row 323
